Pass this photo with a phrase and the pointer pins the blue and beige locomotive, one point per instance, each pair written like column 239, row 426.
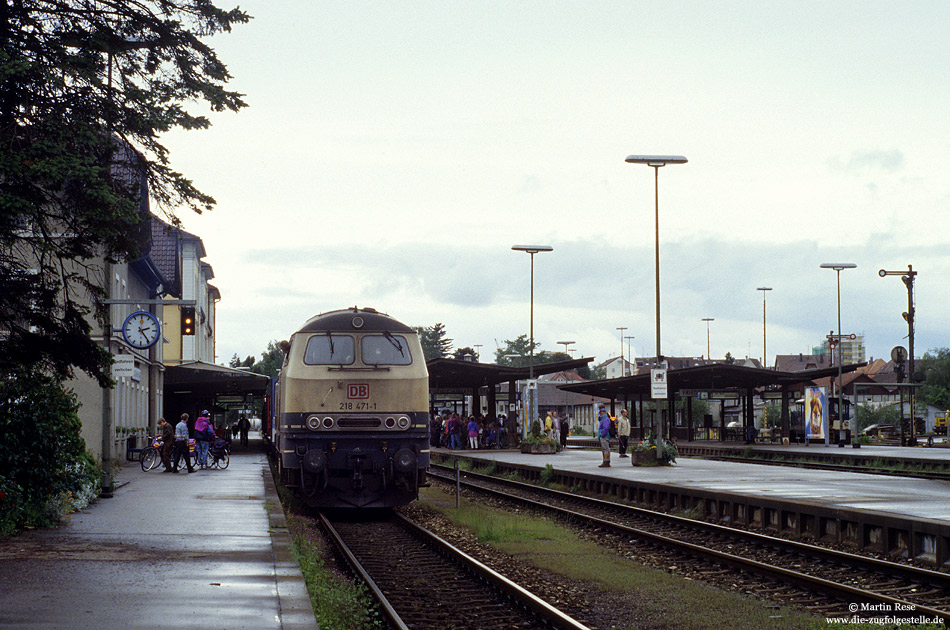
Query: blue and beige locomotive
column 352, row 415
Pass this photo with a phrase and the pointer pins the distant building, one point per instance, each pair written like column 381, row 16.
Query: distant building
column 852, row 351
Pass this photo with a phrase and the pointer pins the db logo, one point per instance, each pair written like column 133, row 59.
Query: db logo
column 357, row 391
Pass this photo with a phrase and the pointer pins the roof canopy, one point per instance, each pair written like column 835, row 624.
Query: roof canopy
column 457, row 374
column 716, row 376
column 208, row 380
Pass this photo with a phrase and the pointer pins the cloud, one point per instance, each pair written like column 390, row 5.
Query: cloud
column 861, row 161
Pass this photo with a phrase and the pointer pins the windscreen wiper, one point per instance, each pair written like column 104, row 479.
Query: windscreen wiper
column 398, row 346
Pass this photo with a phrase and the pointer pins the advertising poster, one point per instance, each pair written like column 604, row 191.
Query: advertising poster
column 816, row 412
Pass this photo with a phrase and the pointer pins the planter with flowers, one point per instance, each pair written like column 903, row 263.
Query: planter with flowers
column 645, row 453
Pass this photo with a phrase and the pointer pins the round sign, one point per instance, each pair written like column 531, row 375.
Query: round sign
column 899, row 354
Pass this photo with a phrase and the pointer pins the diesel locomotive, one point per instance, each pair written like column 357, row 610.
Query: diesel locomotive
column 351, row 415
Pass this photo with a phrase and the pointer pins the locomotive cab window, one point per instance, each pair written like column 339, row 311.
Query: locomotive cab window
column 385, row 349
column 330, row 349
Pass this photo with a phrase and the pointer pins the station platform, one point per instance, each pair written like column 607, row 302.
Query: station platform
column 898, row 515
column 167, row 551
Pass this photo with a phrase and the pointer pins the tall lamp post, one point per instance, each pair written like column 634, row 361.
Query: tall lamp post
column 764, row 354
column 532, row 389
column 532, row 250
column 854, row 420
column 566, row 344
column 621, row 329
column 708, row 351
column 629, row 355
column 656, row 161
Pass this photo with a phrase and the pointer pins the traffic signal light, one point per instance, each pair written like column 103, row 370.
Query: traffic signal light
column 188, row 320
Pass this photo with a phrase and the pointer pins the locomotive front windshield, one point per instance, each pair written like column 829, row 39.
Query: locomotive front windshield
column 375, row 350
column 330, row 349
column 385, row 349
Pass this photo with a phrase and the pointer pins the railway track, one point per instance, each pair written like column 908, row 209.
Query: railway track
column 421, row 581
column 827, row 581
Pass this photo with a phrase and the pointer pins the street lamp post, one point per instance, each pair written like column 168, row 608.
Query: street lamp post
column 854, row 421
column 656, row 161
column 629, row 354
column 532, row 411
column 566, row 344
column 621, row 329
column 708, row 351
column 764, row 354
column 532, row 250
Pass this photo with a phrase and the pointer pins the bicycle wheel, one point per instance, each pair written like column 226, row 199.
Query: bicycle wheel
column 223, row 461
column 150, row 458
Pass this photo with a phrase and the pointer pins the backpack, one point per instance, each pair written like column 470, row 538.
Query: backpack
column 613, row 429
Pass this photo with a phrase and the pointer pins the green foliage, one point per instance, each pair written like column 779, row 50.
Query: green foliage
column 45, row 470
column 85, row 96
column 648, row 445
column 435, row 343
column 536, row 429
column 935, row 365
column 867, row 415
column 271, row 361
column 547, row 475
column 337, row 601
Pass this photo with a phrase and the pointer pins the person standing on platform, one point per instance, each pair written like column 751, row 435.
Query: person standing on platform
column 548, row 425
column 168, row 443
column 603, row 432
column 565, row 430
column 555, row 426
column 623, row 432
column 244, row 425
column 472, row 433
column 204, row 435
column 181, row 444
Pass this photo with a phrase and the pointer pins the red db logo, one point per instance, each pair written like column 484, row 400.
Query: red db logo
column 357, row 391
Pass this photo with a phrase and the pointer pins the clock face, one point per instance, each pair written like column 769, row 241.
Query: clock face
column 141, row 329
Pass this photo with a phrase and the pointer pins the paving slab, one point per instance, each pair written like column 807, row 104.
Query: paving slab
column 917, row 498
column 205, row 550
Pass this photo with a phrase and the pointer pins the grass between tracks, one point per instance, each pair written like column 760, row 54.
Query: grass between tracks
column 658, row 599
column 338, row 602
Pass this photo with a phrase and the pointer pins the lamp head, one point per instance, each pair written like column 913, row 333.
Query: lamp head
column 655, row 160
column 837, row 266
column 532, row 249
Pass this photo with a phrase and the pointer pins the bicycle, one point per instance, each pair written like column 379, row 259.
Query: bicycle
column 219, row 454
column 151, row 456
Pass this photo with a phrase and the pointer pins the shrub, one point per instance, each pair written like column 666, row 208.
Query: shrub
column 45, row 470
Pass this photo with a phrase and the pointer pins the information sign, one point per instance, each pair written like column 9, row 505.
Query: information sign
column 658, row 384
column 124, row 366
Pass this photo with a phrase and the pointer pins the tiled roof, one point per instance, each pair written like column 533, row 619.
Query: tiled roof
column 166, row 255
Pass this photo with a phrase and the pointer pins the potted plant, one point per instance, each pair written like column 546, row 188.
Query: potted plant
column 645, row 453
column 538, row 443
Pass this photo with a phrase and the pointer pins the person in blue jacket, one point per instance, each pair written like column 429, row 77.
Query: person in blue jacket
column 603, row 432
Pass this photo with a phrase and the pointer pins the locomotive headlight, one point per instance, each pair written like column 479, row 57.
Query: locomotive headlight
column 404, row 460
column 403, row 422
column 390, row 422
column 313, row 423
column 328, row 423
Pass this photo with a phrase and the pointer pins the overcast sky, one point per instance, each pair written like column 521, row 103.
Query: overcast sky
column 394, row 152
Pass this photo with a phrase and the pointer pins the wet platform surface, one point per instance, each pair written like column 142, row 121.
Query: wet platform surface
column 204, row 550
column 915, row 498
